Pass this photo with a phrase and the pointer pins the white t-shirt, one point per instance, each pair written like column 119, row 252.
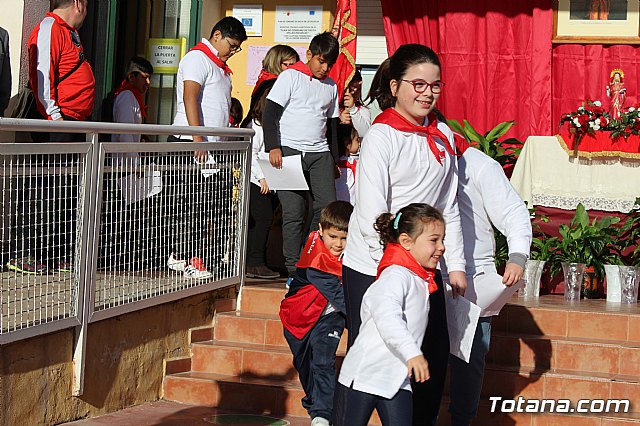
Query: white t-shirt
column 126, row 110
column 215, row 91
column 396, row 169
column 308, row 103
column 394, row 312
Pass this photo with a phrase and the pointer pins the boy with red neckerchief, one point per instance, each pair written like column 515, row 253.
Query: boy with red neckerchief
column 128, row 99
column 203, row 88
column 313, row 311
column 301, row 117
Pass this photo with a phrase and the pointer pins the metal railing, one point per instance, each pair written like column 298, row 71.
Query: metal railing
column 92, row 230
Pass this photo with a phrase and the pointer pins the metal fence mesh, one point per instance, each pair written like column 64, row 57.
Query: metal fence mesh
column 167, row 223
column 42, row 198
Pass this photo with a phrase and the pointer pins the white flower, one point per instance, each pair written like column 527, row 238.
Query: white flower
column 592, row 124
column 581, row 108
column 597, row 103
column 597, row 122
column 596, row 127
column 631, row 109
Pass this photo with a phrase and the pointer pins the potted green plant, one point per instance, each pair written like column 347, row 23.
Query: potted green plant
column 624, row 250
column 582, row 242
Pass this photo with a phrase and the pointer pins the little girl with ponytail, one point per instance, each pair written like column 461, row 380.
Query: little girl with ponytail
column 387, row 353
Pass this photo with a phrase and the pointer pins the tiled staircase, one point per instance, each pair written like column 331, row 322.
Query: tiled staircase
column 546, row 350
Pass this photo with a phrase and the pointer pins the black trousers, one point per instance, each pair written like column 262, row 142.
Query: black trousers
column 314, row 357
column 355, row 284
column 354, row 408
column 435, row 347
column 261, row 209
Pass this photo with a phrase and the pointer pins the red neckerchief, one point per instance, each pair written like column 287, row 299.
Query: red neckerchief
column 264, row 76
column 207, row 51
column 393, row 118
column 345, row 164
column 124, row 86
column 395, row 254
column 304, row 69
column 461, row 143
column 316, row 255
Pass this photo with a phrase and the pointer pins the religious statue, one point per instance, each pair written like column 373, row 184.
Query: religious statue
column 617, row 93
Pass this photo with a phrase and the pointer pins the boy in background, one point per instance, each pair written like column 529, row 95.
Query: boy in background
column 313, row 311
column 301, row 117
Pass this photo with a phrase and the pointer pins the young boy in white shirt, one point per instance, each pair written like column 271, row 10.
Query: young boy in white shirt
column 301, row 118
column 203, row 99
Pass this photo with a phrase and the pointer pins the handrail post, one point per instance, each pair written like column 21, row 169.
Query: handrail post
column 85, row 274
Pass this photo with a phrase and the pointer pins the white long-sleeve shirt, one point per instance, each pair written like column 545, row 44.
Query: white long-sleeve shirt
column 396, row 169
column 394, row 312
column 486, row 197
column 360, row 119
column 346, row 182
column 257, row 151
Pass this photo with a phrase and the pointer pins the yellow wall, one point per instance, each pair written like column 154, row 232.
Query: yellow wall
column 239, row 61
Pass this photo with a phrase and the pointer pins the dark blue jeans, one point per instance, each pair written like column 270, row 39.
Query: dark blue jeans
column 314, row 357
column 466, row 379
column 354, row 408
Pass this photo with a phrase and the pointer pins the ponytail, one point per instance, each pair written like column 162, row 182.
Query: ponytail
column 409, row 220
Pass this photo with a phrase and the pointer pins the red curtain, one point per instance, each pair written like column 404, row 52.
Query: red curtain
column 496, row 57
column 581, row 72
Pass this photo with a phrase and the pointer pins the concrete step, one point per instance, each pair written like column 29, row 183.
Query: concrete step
column 263, row 296
column 589, row 319
column 244, row 394
column 600, row 356
column 256, row 328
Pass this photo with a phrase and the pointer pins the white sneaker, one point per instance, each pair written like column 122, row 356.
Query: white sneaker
column 197, row 270
column 319, row 421
column 176, row 264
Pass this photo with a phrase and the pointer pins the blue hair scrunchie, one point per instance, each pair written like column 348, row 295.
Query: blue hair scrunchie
column 396, row 221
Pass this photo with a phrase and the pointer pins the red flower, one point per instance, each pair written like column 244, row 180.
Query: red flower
column 583, row 120
column 603, row 121
column 636, row 126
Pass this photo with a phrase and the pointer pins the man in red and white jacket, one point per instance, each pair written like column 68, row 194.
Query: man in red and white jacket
column 61, row 79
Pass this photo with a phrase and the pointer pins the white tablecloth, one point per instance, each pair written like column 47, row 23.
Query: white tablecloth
column 545, row 175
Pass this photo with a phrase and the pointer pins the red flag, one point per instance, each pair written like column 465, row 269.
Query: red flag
column 345, row 24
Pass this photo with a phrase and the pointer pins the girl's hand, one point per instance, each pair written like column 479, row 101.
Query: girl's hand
column 512, row 274
column 345, row 117
column 348, row 100
column 458, row 281
column 418, row 368
column 264, row 188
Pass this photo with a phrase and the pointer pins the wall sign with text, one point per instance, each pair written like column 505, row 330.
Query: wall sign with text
column 165, row 54
column 297, row 24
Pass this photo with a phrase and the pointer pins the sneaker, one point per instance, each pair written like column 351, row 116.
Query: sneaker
column 319, row 421
column 176, row 264
column 64, row 266
column 197, row 270
column 27, row 265
column 261, row 272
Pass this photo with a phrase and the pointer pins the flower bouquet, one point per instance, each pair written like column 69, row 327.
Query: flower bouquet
column 629, row 124
column 589, row 118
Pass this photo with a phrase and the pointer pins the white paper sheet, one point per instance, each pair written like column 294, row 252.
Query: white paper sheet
column 486, row 290
column 290, row 177
column 462, row 320
column 209, row 167
column 134, row 188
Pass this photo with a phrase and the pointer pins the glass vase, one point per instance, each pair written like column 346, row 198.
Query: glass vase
column 629, row 281
column 532, row 273
column 573, row 278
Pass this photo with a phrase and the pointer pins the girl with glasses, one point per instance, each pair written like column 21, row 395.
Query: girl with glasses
column 406, row 157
